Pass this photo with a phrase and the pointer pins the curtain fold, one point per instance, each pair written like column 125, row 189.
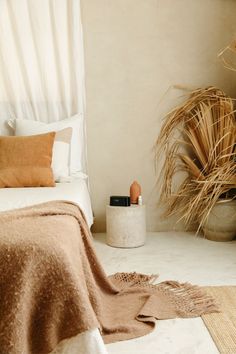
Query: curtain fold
column 41, row 61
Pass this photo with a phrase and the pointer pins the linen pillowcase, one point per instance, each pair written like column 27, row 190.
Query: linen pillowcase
column 31, row 127
column 26, row 161
column 61, row 154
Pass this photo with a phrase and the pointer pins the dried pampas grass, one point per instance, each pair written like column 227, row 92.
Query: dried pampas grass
column 208, row 126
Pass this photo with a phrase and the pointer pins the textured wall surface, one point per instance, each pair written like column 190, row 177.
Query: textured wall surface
column 135, row 50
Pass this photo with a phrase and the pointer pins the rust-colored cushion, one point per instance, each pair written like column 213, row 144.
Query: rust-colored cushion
column 25, row 161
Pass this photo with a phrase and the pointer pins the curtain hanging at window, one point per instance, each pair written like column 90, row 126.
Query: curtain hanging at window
column 41, row 60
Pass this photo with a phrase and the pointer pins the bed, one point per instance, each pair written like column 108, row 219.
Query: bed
column 76, row 191
column 73, row 187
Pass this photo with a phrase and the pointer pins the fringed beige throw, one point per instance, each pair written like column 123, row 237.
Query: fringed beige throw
column 53, row 287
column 147, row 302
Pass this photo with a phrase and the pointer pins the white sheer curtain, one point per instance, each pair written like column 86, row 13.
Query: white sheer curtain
column 41, row 61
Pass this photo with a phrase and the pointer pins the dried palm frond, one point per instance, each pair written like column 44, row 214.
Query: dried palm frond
column 225, row 54
column 209, row 134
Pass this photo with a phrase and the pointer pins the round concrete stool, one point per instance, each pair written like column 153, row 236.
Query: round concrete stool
column 126, row 226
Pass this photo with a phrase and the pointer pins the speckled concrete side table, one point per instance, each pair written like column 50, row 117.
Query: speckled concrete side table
column 126, row 226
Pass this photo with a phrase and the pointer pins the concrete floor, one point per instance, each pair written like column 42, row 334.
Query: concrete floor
column 176, row 256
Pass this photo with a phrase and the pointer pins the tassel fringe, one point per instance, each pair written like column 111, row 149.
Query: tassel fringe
column 127, row 280
column 188, row 300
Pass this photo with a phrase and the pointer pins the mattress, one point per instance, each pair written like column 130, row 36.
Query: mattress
column 76, row 191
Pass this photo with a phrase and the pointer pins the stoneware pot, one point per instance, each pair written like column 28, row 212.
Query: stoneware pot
column 221, row 223
column 135, row 192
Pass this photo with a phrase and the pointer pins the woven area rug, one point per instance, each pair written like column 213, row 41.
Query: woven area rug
column 222, row 326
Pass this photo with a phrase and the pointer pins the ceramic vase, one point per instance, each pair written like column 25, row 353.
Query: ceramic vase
column 135, row 192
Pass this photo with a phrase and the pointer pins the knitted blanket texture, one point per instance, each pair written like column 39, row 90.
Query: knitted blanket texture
column 53, row 287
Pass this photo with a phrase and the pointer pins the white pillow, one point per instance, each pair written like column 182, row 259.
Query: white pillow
column 31, row 127
column 61, row 154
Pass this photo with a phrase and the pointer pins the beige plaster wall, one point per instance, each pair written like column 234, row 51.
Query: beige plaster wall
column 134, row 51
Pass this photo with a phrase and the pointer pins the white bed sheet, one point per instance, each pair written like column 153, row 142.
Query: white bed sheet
column 75, row 191
column 89, row 342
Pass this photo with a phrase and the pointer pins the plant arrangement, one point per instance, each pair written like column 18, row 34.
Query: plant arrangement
column 205, row 150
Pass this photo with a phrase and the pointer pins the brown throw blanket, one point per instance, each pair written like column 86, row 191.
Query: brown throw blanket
column 53, row 287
